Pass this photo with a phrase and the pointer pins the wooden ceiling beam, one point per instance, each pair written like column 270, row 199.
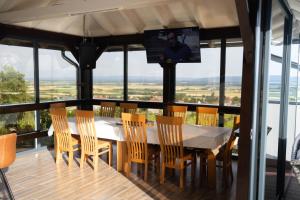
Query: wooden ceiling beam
column 74, row 7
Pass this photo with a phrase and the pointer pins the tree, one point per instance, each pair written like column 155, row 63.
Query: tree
column 13, row 89
column 12, row 86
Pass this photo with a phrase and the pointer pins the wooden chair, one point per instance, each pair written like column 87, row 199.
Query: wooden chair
column 57, row 105
column 171, row 144
column 177, row 111
column 65, row 142
column 128, row 108
column 225, row 153
column 90, row 145
column 107, row 109
column 52, row 106
column 207, row 116
column 7, row 156
column 136, row 139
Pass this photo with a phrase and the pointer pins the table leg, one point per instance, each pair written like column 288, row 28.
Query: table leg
column 211, row 170
column 121, row 156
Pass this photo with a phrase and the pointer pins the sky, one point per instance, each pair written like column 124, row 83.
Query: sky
column 53, row 66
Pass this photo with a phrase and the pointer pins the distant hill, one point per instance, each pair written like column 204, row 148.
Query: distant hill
column 230, row 80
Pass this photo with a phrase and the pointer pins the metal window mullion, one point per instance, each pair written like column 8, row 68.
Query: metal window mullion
column 284, row 99
column 36, row 89
column 222, row 79
column 125, row 81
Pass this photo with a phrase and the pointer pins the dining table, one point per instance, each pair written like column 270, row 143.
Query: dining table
column 193, row 136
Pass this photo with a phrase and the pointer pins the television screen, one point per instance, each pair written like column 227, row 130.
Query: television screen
column 173, row 45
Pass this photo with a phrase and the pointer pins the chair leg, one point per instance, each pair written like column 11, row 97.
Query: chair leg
column 10, row 194
column 146, row 172
column 58, row 156
column 96, row 159
column 202, row 169
column 163, row 173
column 157, row 160
column 231, row 173
column 82, row 159
column 71, row 156
column 193, row 167
column 225, row 175
column 181, row 178
column 110, row 155
column 128, row 168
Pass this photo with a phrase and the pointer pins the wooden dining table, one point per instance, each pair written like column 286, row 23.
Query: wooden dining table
column 194, row 136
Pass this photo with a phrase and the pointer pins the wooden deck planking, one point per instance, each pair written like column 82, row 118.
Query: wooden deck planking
column 36, row 176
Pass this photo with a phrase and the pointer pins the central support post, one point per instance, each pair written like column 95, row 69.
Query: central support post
column 169, row 84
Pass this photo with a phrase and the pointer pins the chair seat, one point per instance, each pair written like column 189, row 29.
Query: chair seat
column 188, row 156
column 103, row 144
column 220, row 155
column 153, row 149
column 75, row 140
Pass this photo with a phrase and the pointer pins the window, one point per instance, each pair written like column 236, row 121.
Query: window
column 199, row 82
column 57, row 77
column 108, row 75
column 16, row 74
column 145, row 81
column 233, row 73
column 18, row 122
column 17, row 87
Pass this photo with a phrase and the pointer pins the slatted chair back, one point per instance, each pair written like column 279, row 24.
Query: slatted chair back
column 128, row 108
column 236, row 122
column 177, row 111
column 107, row 109
column 61, row 128
column 207, row 116
column 170, row 138
column 86, row 127
column 230, row 143
column 57, row 105
column 136, row 136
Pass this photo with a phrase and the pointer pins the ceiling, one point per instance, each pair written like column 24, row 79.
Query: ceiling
column 117, row 17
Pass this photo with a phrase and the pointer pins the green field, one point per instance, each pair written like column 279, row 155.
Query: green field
column 63, row 90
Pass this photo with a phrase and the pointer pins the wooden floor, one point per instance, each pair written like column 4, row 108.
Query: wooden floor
column 36, row 176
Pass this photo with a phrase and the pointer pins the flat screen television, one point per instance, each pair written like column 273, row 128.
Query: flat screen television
column 181, row 45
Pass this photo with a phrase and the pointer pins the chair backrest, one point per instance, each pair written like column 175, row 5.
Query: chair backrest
column 57, row 105
column 86, row 127
column 170, row 138
column 177, row 111
column 107, row 109
column 236, row 122
column 230, row 144
column 61, row 128
column 128, row 108
column 7, row 149
column 207, row 116
column 136, row 136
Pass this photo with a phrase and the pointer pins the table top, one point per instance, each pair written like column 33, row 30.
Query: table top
column 193, row 136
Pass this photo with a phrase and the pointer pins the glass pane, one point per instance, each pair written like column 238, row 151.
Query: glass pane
column 145, row 81
column 233, row 79
column 57, row 77
column 16, row 74
column 273, row 110
column 199, row 82
column 21, row 122
column 108, row 75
